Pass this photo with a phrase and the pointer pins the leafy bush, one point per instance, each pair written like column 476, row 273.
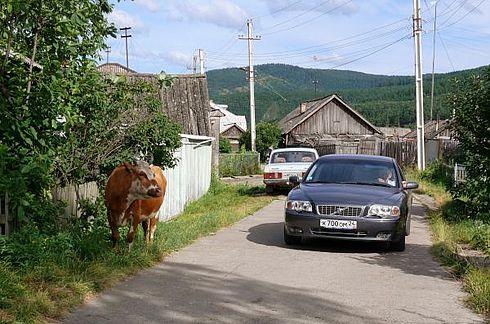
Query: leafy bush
column 471, row 103
column 236, row 164
column 268, row 135
column 224, row 145
column 439, row 173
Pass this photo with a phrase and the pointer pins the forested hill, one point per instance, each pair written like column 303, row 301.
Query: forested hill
column 384, row 100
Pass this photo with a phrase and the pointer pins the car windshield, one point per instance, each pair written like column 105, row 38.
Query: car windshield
column 361, row 172
column 293, row 157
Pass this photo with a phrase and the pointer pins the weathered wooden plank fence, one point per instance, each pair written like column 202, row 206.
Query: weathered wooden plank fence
column 405, row 153
column 72, row 195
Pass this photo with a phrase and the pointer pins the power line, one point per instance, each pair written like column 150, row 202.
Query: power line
column 447, row 53
column 298, row 53
column 278, row 10
column 373, row 52
column 309, row 20
column 464, row 16
column 297, row 16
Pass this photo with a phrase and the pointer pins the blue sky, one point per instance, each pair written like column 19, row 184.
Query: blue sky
column 372, row 36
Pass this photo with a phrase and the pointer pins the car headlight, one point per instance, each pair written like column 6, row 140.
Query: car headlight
column 384, row 211
column 299, row 205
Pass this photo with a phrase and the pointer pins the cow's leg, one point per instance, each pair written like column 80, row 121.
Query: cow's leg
column 153, row 227
column 145, row 224
column 133, row 228
column 114, row 230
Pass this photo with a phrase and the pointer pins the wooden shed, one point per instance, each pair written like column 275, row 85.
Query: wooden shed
column 329, row 121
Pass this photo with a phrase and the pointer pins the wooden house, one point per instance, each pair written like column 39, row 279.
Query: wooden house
column 232, row 126
column 434, row 129
column 331, row 125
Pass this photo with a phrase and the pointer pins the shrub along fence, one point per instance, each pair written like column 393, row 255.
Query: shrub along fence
column 236, row 164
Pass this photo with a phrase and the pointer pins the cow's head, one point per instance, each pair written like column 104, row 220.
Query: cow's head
column 143, row 182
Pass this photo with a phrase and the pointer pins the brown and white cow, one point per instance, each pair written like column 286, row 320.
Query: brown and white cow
column 134, row 194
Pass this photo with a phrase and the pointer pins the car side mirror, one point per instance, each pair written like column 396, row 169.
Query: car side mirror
column 410, row 185
column 294, row 179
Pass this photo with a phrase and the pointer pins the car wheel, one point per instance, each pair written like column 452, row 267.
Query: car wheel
column 269, row 189
column 398, row 245
column 290, row 239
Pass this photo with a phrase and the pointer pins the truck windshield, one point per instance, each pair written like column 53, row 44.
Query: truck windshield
column 293, row 157
column 360, row 172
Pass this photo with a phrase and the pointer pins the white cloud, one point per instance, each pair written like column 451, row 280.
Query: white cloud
column 151, row 5
column 122, row 18
column 222, row 13
column 176, row 57
column 319, row 6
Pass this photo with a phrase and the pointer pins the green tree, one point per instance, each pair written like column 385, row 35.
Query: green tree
column 471, row 103
column 61, row 120
column 224, row 145
column 268, row 135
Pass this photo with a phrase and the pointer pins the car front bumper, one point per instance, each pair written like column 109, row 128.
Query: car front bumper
column 278, row 182
column 307, row 225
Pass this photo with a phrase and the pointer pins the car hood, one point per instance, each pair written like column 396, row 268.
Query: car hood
column 278, row 167
column 341, row 194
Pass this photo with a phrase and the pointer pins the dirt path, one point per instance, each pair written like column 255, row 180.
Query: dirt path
column 246, row 274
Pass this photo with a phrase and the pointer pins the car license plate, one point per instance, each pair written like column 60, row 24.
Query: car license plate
column 338, row 224
column 287, row 175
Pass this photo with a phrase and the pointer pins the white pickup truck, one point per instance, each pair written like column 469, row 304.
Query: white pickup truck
column 286, row 162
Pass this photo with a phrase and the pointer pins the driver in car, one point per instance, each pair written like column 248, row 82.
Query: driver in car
column 387, row 177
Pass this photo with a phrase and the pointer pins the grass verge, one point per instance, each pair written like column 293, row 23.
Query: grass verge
column 57, row 282
column 451, row 229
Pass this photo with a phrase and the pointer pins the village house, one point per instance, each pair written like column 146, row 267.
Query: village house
column 394, row 133
column 232, row 126
column 438, row 138
column 330, row 125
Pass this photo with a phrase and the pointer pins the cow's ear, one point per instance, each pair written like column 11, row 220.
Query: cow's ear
column 128, row 167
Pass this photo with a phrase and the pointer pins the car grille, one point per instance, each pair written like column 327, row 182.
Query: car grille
column 351, row 211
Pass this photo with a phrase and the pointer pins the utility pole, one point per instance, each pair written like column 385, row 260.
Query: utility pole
column 126, row 36
column 193, row 67
column 419, row 94
column 315, row 83
column 433, row 59
column 201, row 60
column 251, row 78
column 108, row 50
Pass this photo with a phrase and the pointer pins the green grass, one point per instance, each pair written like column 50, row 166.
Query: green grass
column 46, row 287
column 451, row 228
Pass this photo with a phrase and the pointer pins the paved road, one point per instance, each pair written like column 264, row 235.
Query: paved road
column 245, row 274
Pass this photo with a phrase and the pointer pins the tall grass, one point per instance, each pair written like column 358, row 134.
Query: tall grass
column 42, row 277
column 451, row 228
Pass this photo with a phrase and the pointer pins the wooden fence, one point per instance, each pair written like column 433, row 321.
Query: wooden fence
column 405, row 153
column 73, row 194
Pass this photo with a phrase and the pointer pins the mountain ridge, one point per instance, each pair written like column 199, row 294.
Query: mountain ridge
column 385, row 100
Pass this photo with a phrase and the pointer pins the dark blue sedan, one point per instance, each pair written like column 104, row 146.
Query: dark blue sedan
column 350, row 197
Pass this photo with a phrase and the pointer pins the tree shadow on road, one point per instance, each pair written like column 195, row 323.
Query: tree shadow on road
column 187, row 293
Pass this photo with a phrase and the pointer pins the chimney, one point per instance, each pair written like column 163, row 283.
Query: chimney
column 302, row 107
